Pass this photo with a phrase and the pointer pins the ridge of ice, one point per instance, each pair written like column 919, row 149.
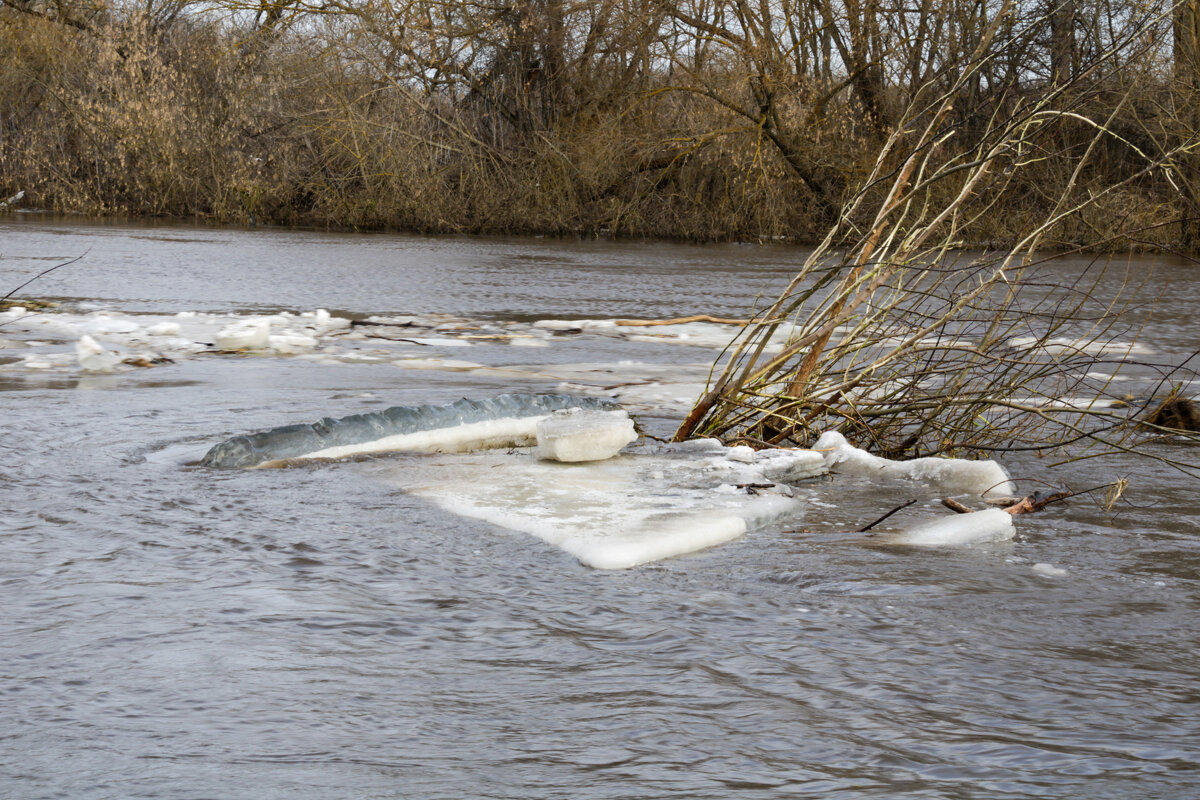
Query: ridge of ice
column 961, row 476
column 506, row 420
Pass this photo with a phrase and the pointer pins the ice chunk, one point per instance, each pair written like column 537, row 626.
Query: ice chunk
column 321, row 321
column 791, row 466
column 32, row 361
column 504, row 421
column 164, row 329
column 94, row 357
column 1048, row 570
column 612, row 514
column 960, row 476
column 992, row 525
column 444, row 364
column 741, row 453
column 578, row 434
column 252, row 334
column 104, row 324
column 290, row 343
column 698, row 446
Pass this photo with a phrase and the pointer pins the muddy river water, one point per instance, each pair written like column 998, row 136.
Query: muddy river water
column 312, row 632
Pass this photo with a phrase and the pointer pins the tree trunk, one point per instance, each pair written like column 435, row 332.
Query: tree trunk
column 1062, row 41
column 1186, row 31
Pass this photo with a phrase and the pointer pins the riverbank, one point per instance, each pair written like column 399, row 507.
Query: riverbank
column 645, row 133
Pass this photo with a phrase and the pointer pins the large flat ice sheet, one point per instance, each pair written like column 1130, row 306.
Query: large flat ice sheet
column 613, row 514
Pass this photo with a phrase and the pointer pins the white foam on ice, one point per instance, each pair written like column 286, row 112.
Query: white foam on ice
column 959, row 476
column 579, row 434
column 977, row 527
column 612, row 514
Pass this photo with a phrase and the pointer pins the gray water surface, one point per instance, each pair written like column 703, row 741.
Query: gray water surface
column 176, row 632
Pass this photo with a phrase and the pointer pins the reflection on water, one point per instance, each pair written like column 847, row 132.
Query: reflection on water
column 311, row 632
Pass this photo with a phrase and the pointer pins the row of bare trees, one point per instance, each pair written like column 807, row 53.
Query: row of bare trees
column 692, row 118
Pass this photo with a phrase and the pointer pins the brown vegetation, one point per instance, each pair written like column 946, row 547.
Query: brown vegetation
column 699, row 119
column 893, row 335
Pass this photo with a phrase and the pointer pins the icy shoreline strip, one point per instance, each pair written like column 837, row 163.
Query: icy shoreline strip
column 506, row 420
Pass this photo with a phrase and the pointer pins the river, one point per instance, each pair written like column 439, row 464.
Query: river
column 176, row 632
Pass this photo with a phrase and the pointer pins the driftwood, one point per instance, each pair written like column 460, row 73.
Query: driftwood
column 956, row 506
column 1037, row 501
column 1018, row 505
column 646, row 323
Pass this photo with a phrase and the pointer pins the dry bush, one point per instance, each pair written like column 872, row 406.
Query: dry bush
column 893, row 334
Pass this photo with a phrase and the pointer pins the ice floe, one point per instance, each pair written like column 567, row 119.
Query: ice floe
column 992, row 525
column 958, row 476
column 614, row 514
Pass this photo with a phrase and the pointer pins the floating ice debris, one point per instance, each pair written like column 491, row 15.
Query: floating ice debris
column 982, row 478
column 93, row 357
column 322, row 322
column 251, row 334
column 703, row 445
column 1065, row 346
column 578, row 434
column 287, row 344
column 509, row 420
column 992, row 525
column 791, row 466
column 741, row 453
column 612, row 514
column 164, row 329
column 1048, row 570
column 445, row 364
